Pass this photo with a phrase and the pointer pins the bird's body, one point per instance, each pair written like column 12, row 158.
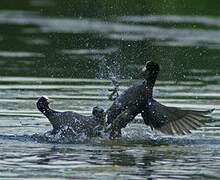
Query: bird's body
column 132, row 100
column 75, row 122
column 71, row 123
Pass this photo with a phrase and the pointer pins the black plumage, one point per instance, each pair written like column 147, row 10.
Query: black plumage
column 172, row 120
column 70, row 122
column 139, row 99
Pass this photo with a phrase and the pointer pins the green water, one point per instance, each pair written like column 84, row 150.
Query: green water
column 68, row 50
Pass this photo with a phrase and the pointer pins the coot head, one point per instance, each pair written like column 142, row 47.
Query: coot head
column 43, row 103
column 150, row 70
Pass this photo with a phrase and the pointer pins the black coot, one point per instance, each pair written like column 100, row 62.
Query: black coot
column 139, row 99
column 70, row 122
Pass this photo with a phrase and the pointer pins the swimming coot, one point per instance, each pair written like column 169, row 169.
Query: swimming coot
column 139, row 99
column 72, row 123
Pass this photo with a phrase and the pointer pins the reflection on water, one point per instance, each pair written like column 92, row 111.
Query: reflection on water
column 68, row 50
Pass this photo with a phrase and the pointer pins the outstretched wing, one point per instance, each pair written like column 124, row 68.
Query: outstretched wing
column 171, row 120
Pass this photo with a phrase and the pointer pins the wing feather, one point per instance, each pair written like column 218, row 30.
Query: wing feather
column 172, row 120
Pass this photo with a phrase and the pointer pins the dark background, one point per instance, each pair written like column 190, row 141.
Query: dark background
column 92, row 39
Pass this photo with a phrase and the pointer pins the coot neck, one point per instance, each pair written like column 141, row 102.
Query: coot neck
column 45, row 109
column 151, row 81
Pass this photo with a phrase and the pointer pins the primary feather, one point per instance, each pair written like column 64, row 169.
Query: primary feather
column 172, row 120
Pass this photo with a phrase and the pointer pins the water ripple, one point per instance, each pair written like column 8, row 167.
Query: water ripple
column 121, row 31
column 19, row 54
column 205, row 20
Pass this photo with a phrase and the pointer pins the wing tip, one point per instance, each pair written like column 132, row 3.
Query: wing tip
column 183, row 126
